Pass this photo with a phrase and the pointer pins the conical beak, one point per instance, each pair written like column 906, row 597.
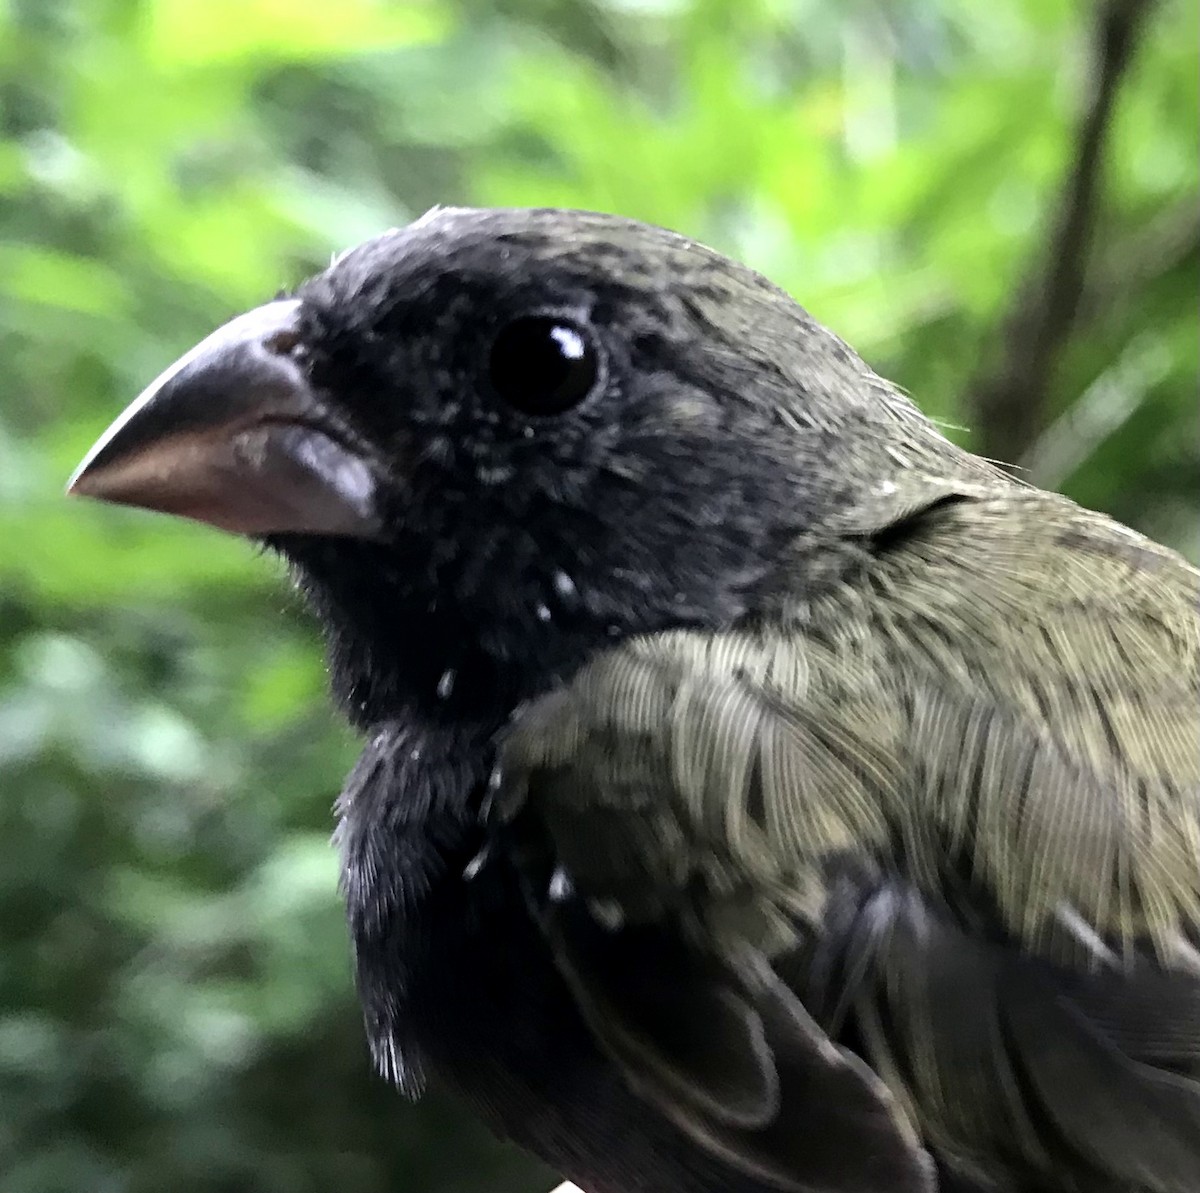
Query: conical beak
column 232, row 434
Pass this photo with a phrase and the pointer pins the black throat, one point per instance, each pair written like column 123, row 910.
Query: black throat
column 429, row 682
column 399, row 654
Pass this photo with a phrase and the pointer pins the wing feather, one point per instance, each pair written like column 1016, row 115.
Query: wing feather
column 1008, row 763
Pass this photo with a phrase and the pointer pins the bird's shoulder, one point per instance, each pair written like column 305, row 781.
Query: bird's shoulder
column 1058, row 616
column 1002, row 683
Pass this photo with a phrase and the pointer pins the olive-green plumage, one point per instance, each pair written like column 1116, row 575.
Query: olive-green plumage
column 994, row 700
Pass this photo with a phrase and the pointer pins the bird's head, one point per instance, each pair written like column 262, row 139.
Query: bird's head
column 493, row 441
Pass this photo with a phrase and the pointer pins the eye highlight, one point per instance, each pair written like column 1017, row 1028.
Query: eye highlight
column 543, row 364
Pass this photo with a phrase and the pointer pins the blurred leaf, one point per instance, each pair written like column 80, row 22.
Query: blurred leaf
column 195, row 32
column 74, row 283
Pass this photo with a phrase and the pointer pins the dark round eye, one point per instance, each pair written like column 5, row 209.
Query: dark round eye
column 543, row 365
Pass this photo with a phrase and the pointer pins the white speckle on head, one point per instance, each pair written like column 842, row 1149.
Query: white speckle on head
column 432, row 213
column 543, row 612
column 886, row 489
column 445, row 685
column 472, row 868
column 564, row 585
column 561, row 887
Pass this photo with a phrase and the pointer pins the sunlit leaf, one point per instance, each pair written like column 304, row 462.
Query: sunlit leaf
column 196, row 32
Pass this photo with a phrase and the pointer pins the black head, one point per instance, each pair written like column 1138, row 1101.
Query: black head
column 493, row 441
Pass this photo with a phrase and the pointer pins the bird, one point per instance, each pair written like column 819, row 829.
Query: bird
column 760, row 792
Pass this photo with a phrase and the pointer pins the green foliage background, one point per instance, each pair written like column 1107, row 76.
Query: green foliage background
column 176, row 1008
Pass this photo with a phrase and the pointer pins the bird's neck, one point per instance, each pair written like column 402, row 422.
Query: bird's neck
column 396, row 653
column 423, row 667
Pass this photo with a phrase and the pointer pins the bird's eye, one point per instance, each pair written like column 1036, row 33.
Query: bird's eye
column 543, row 365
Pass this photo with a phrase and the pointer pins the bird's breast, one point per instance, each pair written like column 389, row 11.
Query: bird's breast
column 458, row 983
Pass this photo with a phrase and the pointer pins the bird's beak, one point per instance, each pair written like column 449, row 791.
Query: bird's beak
column 232, row 434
